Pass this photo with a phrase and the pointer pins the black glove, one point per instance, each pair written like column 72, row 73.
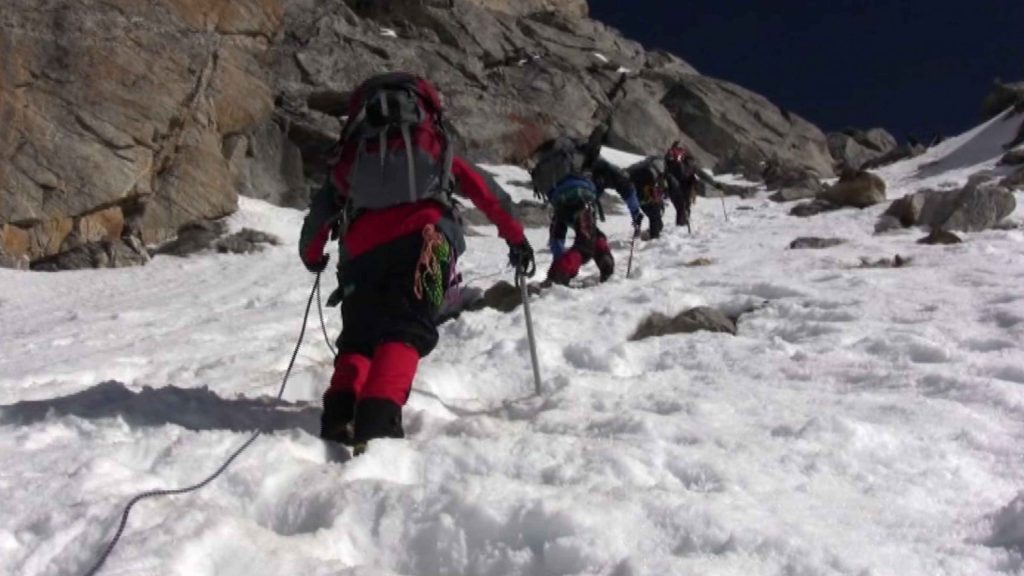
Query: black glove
column 521, row 257
column 318, row 266
column 638, row 220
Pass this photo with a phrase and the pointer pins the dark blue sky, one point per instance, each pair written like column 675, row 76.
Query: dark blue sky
column 912, row 66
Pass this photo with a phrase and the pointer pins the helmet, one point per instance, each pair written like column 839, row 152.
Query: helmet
column 677, row 151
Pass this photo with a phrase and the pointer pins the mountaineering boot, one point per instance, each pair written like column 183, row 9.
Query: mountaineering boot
column 603, row 258
column 336, row 419
column 606, row 264
column 350, row 374
column 376, row 418
column 565, row 268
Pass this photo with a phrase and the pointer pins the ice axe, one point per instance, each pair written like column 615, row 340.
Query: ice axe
column 521, row 275
column 632, row 248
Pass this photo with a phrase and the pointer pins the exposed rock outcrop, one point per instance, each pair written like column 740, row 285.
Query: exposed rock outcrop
column 978, row 206
column 726, row 119
column 1014, row 157
column 106, row 103
column 855, row 148
column 164, row 111
column 1002, row 96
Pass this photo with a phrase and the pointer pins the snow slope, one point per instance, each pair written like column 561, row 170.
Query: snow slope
column 865, row 421
column 954, row 159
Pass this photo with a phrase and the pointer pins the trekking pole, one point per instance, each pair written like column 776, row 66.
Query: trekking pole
column 521, row 281
column 724, row 212
column 632, row 248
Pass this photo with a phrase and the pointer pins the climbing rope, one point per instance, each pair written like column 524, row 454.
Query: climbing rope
column 323, row 324
column 315, row 292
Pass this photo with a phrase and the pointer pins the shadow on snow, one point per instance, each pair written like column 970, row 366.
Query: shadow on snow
column 196, row 409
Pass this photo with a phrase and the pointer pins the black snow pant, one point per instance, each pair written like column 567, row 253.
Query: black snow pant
column 654, row 212
column 682, row 199
column 391, row 297
column 590, row 244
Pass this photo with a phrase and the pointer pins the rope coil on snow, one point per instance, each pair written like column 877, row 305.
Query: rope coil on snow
column 315, row 292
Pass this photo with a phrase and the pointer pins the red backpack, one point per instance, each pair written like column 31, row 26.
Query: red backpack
column 395, row 147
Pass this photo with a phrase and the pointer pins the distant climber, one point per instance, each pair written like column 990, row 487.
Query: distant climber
column 571, row 175
column 651, row 183
column 388, row 197
column 686, row 173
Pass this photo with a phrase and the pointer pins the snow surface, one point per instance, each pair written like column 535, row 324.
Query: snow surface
column 865, row 421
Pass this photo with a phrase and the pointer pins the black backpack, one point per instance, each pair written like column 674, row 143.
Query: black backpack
column 648, row 177
column 557, row 159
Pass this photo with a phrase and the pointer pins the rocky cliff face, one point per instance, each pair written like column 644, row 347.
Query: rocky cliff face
column 115, row 114
column 126, row 118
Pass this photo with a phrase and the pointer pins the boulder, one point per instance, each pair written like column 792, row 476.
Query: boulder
column 856, row 189
column 1014, row 181
column 246, row 241
column 503, row 296
column 855, row 148
column 793, row 194
column 939, row 236
column 701, row 319
column 1003, row 95
column 814, row 243
column 816, row 206
column 193, row 237
column 100, row 254
column 977, row 206
column 887, row 223
column 1014, row 157
column 896, row 261
column 778, row 176
column 877, row 139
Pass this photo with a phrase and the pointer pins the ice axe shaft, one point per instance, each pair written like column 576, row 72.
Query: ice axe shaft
column 521, row 281
column 632, row 248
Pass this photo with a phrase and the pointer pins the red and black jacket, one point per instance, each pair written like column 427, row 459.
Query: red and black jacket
column 372, row 228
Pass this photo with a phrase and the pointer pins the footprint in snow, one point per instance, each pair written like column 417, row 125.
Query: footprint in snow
column 988, row 345
column 1013, row 374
